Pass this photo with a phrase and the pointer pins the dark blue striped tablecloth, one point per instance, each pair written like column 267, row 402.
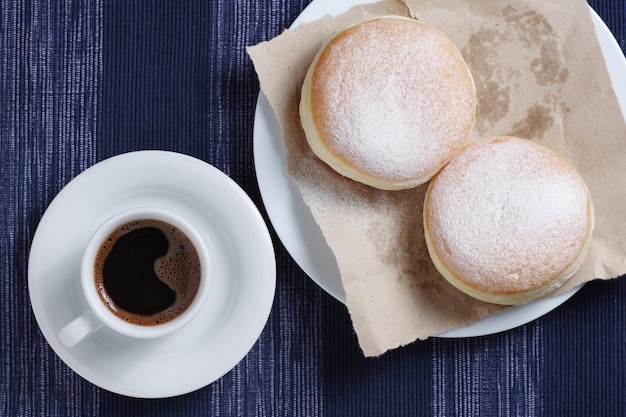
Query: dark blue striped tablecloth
column 85, row 80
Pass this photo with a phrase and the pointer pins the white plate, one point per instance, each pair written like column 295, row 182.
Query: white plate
column 242, row 262
column 303, row 238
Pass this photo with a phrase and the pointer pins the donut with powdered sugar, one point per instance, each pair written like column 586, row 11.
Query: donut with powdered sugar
column 508, row 221
column 387, row 102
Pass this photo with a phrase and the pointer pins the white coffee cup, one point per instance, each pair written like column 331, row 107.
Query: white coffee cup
column 99, row 315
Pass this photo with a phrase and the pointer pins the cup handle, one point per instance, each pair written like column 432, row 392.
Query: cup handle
column 79, row 329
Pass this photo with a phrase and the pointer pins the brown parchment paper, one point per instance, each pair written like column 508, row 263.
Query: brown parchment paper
column 539, row 74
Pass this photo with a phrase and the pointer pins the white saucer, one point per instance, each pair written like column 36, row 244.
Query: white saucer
column 303, row 238
column 242, row 262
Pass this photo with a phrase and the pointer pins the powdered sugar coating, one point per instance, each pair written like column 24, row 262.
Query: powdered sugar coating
column 507, row 215
column 393, row 99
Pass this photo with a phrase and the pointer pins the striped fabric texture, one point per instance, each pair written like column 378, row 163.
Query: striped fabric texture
column 82, row 81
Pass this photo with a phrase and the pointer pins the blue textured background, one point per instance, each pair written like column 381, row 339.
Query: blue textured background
column 83, row 81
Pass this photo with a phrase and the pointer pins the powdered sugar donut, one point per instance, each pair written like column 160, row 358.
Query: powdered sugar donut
column 507, row 221
column 387, row 102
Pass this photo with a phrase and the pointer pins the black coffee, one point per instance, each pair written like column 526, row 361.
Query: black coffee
column 147, row 272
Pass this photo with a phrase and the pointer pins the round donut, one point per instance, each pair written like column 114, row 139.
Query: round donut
column 507, row 221
column 387, row 102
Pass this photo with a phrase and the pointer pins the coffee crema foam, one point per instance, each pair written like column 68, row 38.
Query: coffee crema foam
column 179, row 268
